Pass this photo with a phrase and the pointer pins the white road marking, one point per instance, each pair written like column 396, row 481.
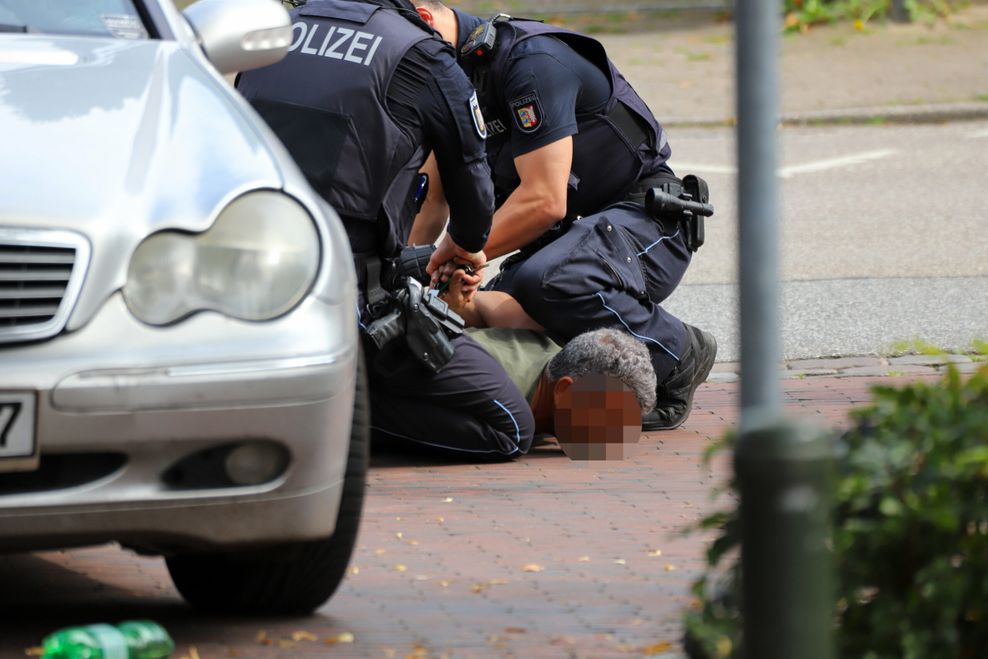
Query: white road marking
column 835, row 163
column 793, row 170
column 705, row 169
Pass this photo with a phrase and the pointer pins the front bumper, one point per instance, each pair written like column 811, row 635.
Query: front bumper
column 125, row 402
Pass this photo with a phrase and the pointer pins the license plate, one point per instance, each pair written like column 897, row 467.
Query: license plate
column 18, row 441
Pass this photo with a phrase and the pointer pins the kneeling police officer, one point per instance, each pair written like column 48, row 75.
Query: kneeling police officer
column 368, row 90
column 573, row 151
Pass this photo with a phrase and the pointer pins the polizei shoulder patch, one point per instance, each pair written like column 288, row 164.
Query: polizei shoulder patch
column 478, row 117
column 527, row 111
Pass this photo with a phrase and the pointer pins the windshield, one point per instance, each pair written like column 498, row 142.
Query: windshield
column 103, row 18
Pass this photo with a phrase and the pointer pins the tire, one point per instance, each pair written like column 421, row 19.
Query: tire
column 291, row 578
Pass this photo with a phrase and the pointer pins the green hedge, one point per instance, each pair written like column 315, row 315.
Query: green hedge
column 910, row 532
column 801, row 14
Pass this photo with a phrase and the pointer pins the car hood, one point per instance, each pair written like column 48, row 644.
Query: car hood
column 117, row 139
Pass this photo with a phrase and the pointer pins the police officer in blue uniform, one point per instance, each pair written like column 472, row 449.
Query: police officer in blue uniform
column 366, row 93
column 569, row 138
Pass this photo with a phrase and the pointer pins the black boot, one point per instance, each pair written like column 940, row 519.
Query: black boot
column 674, row 396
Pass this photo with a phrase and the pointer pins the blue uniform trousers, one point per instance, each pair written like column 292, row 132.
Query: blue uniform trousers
column 471, row 407
column 612, row 269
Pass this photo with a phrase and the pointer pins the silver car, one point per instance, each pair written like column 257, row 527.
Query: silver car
column 179, row 358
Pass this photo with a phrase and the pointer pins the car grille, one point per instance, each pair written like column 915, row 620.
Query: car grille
column 40, row 277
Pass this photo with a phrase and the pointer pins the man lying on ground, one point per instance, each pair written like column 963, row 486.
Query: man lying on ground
column 589, row 394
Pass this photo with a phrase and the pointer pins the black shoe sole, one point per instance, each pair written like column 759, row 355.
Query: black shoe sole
column 650, row 427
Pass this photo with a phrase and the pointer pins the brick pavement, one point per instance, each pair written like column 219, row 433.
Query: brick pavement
column 542, row 557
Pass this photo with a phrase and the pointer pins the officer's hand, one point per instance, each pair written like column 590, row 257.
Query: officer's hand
column 448, row 252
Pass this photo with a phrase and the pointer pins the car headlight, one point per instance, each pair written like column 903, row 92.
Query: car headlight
column 256, row 262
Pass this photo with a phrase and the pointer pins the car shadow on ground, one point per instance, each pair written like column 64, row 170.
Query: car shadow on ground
column 40, row 595
column 48, row 591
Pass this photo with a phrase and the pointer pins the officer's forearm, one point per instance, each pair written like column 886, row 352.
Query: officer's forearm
column 525, row 216
column 538, row 202
column 429, row 224
column 470, row 196
column 431, row 220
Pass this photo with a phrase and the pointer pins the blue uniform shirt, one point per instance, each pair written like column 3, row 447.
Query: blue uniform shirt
column 564, row 85
column 544, row 84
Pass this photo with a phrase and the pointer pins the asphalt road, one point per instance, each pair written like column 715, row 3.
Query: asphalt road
column 882, row 237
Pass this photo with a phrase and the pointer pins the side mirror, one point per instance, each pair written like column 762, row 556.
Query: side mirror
column 241, row 35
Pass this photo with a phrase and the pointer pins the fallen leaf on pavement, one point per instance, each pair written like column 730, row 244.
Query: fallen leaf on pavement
column 399, row 535
column 422, row 577
column 670, row 567
column 414, row 543
column 344, row 637
column 193, row 653
column 532, row 567
column 444, row 583
column 303, row 635
column 34, row 652
column 380, row 552
column 658, row 648
column 440, row 519
column 515, row 630
column 583, row 559
column 354, row 570
column 285, row 643
column 484, row 585
column 448, row 500
column 400, row 568
column 263, row 639
column 656, row 553
column 418, row 653
column 620, row 561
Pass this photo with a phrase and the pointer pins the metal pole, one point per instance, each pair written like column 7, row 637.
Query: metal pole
column 900, row 13
column 783, row 468
column 758, row 27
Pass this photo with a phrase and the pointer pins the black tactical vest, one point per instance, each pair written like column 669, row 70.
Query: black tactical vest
column 327, row 102
column 613, row 149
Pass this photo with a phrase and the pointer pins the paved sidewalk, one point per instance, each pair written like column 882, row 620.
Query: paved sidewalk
column 542, row 557
column 833, row 74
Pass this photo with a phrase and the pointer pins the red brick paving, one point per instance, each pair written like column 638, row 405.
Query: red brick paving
column 440, row 568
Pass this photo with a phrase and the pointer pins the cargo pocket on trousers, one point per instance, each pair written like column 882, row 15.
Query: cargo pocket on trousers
column 606, row 257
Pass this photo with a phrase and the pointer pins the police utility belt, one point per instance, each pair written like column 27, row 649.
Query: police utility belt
column 674, row 206
column 404, row 313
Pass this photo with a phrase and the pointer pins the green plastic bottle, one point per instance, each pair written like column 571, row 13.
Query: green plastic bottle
column 134, row 639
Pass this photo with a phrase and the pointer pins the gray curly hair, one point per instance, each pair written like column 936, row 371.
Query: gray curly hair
column 609, row 352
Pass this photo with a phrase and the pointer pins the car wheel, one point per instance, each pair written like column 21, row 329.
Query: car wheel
column 292, row 578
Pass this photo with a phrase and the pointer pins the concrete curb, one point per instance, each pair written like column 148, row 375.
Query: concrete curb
column 862, row 366
column 912, row 114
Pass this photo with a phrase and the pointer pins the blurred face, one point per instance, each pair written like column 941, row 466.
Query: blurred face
column 597, row 417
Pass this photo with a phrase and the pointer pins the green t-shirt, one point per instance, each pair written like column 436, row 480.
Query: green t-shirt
column 522, row 353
